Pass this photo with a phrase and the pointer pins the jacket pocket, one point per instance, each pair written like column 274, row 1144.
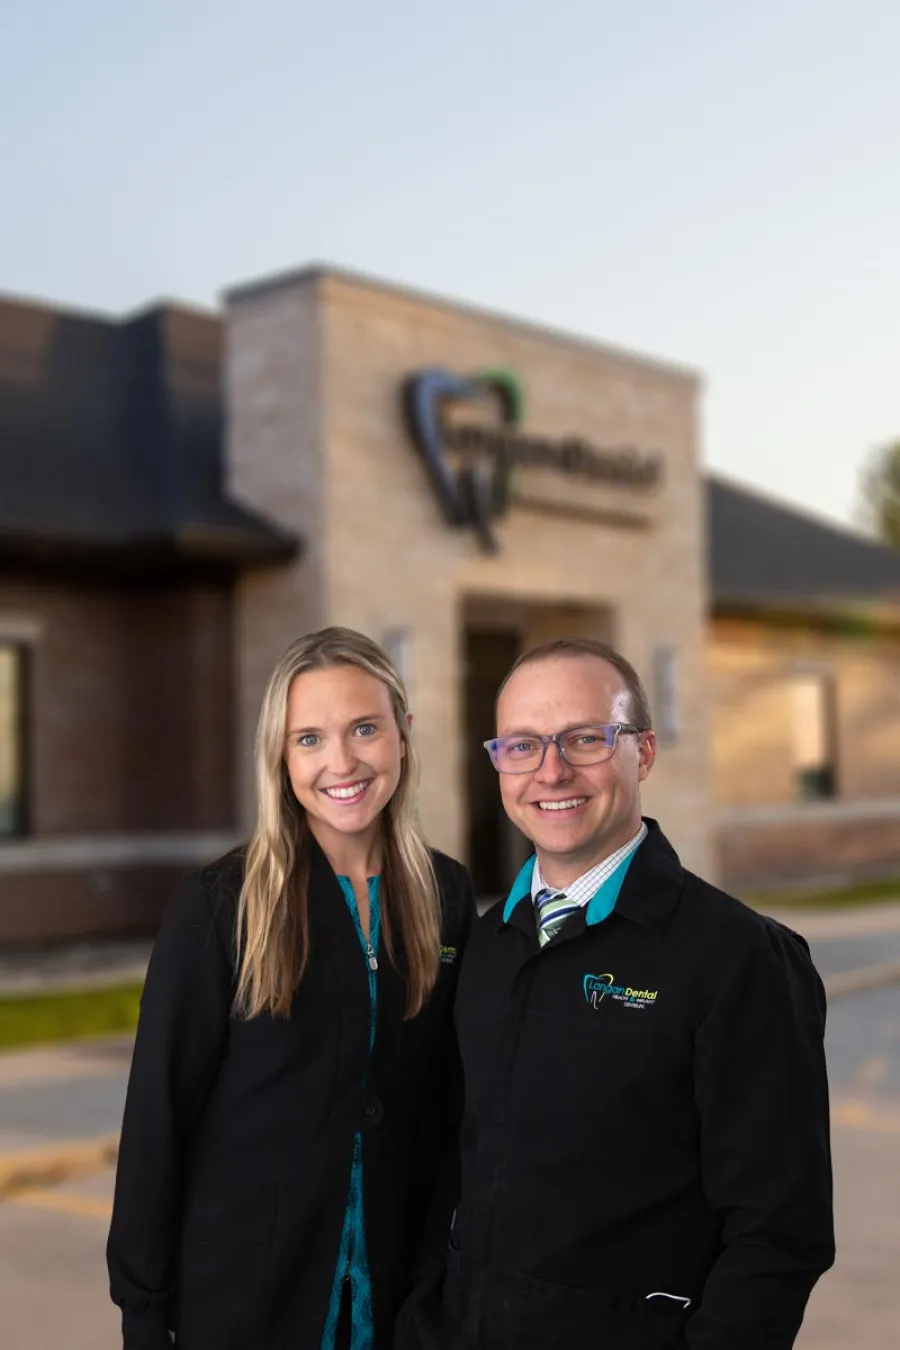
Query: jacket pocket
column 246, row 1214
column 221, row 1290
column 532, row 1314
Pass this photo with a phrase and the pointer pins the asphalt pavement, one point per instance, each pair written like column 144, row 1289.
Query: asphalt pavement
column 857, row 1304
column 53, row 1286
column 834, row 956
column 64, row 1101
column 65, row 1095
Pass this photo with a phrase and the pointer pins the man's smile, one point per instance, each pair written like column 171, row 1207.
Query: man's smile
column 560, row 806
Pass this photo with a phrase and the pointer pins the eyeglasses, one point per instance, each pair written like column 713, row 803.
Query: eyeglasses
column 579, row 747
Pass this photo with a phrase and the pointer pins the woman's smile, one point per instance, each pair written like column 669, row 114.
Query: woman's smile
column 348, row 794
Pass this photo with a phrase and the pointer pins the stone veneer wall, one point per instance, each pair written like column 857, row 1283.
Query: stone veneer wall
column 810, row 849
column 316, row 437
column 751, row 665
column 764, row 833
column 273, row 397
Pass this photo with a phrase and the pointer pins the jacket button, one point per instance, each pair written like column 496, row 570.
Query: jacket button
column 373, row 1112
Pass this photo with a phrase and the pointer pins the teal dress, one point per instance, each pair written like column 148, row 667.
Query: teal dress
column 353, row 1262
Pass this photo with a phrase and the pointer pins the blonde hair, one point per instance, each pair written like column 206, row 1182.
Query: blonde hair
column 273, row 910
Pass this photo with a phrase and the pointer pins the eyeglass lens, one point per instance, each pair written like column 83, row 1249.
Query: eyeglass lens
column 585, row 745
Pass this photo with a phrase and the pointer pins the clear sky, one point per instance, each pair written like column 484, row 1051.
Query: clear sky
column 713, row 182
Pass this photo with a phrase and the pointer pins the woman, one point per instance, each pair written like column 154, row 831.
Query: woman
column 292, row 1098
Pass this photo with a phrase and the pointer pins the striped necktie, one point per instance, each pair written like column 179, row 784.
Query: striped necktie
column 552, row 908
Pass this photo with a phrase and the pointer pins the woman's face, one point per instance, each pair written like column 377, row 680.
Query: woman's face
column 343, row 750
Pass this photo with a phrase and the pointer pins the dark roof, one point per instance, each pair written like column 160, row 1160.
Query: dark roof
column 764, row 554
column 111, row 450
column 110, row 444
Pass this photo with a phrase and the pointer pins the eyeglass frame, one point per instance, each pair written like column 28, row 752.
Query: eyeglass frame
column 630, row 728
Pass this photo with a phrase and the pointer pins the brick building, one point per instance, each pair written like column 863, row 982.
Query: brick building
column 182, row 492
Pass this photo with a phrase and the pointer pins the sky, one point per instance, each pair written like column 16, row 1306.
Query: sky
column 715, row 183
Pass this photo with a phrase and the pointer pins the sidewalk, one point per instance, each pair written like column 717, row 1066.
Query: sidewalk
column 60, row 1110
column 83, row 965
column 852, row 922
column 854, row 948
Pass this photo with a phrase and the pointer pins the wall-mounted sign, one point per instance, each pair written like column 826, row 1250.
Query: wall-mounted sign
column 471, row 464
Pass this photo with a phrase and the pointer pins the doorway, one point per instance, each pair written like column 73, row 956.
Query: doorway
column 488, row 657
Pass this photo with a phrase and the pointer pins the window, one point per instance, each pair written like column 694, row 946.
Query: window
column 665, row 700
column 12, row 759
column 813, row 737
column 397, row 645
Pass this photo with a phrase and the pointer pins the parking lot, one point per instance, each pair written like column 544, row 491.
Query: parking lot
column 52, row 1269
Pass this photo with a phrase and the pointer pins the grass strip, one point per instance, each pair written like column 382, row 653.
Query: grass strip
column 839, row 897
column 32, row 1019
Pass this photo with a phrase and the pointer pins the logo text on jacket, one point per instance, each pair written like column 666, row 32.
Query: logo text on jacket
column 599, row 987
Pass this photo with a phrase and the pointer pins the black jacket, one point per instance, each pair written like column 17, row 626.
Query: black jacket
column 238, row 1135
column 646, row 1113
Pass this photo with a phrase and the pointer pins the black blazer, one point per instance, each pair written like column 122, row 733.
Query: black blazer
column 646, row 1113
column 238, row 1135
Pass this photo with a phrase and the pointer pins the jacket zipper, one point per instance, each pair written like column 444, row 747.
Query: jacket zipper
column 372, row 961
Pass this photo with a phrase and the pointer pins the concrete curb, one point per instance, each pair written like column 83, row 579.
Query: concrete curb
column 88, row 982
column 871, row 977
column 56, row 1163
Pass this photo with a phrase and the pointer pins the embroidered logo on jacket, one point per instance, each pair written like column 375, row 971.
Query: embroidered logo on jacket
column 448, row 956
column 599, row 987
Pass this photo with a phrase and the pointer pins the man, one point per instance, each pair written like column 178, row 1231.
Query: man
column 645, row 1148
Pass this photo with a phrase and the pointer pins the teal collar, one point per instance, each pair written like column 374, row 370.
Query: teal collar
column 520, row 888
column 599, row 907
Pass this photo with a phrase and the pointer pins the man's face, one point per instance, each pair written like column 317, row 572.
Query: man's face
column 602, row 807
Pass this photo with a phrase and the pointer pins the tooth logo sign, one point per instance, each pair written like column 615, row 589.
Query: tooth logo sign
column 476, row 490
column 475, row 493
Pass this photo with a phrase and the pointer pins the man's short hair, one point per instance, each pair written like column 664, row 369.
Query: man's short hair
column 578, row 646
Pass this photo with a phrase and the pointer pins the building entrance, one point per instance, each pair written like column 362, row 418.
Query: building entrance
column 488, row 657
